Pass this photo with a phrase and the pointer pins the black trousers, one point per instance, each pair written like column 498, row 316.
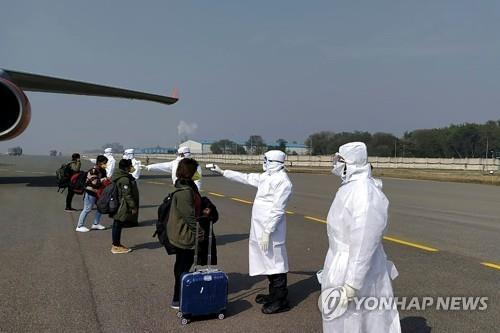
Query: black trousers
column 116, row 232
column 278, row 287
column 69, row 198
column 184, row 259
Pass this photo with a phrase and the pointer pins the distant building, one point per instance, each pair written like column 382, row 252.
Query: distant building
column 299, row 149
column 194, row 146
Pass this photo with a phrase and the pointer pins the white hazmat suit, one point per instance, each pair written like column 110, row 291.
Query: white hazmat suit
column 110, row 166
column 268, row 215
column 356, row 260
column 129, row 155
column 171, row 167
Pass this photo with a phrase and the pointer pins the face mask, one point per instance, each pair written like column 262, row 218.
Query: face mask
column 338, row 169
column 132, row 170
column 104, row 166
column 264, row 166
column 339, row 165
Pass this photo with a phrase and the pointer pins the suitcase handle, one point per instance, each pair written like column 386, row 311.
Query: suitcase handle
column 209, row 258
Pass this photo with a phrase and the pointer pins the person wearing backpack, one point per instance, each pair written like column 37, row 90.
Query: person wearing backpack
column 186, row 208
column 72, row 168
column 96, row 177
column 128, row 196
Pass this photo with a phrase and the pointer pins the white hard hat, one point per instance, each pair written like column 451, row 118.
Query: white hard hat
column 275, row 156
column 354, row 153
column 108, row 150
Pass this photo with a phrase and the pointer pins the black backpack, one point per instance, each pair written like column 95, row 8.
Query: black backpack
column 108, row 202
column 161, row 223
column 63, row 176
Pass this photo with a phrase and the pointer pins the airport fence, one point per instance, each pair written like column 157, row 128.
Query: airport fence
column 306, row 161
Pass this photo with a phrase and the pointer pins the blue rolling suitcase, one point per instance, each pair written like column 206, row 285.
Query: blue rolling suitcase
column 204, row 291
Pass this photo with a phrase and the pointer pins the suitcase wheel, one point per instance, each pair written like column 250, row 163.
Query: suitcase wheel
column 221, row 316
column 184, row 321
column 179, row 314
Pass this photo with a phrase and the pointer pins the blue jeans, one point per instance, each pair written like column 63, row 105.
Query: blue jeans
column 88, row 203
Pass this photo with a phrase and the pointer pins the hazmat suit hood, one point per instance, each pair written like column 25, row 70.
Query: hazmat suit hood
column 128, row 154
column 274, row 161
column 108, row 151
column 184, row 152
column 355, row 157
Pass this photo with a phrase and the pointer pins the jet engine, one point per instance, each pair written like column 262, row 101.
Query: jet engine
column 15, row 111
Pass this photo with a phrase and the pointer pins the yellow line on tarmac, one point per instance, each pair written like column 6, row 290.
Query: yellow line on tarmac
column 418, row 246
column 242, row 201
column 490, row 265
column 38, row 172
column 20, row 171
column 157, row 183
column 315, row 219
column 216, row 194
column 290, row 212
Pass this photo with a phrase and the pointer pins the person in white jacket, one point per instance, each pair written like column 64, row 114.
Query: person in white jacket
column 266, row 251
column 136, row 164
column 356, row 265
column 110, row 166
column 171, row 167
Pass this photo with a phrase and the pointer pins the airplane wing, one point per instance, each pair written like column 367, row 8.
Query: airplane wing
column 41, row 83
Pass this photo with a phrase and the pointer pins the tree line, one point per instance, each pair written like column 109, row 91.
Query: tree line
column 453, row 141
column 457, row 141
column 255, row 145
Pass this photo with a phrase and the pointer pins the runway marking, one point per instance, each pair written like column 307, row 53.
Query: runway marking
column 242, row 201
column 4, row 170
column 418, row 246
column 217, row 194
column 315, row 219
column 20, row 171
column 490, row 265
column 290, row 212
column 157, row 183
column 39, row 172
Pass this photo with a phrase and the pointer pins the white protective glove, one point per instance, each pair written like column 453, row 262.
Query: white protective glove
column 264, row 241
column 347, row 295
column 215, row 168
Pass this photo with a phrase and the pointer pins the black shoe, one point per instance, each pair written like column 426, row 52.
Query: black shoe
column 276, row 307
column 262, row 298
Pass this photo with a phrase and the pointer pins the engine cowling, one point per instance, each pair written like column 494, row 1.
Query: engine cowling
column 15, row 109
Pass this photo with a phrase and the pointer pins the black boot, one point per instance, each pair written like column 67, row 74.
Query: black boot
column 262, row 298
column 276, row 307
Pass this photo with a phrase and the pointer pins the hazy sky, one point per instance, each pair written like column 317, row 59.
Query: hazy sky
column 274, row 68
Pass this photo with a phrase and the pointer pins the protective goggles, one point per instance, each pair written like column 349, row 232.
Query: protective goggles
column 338, row 159
column 266, row 160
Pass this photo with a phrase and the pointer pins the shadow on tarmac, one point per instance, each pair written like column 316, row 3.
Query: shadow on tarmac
column 42, row 181
column 300, row 290
column 231, row 238
column 415, row 325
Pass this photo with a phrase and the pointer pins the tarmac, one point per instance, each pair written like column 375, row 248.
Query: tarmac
column 443, row 239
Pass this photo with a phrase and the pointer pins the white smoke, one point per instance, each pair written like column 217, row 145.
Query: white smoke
column 185, row 130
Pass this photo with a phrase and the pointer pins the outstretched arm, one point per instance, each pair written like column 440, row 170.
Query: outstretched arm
column 165, row 167
column 251, row 179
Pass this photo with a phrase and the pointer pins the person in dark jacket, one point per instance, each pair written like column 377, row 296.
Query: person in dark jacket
column 186, row 208
column 96, row 178
column 73, row 167
column 128, row 196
